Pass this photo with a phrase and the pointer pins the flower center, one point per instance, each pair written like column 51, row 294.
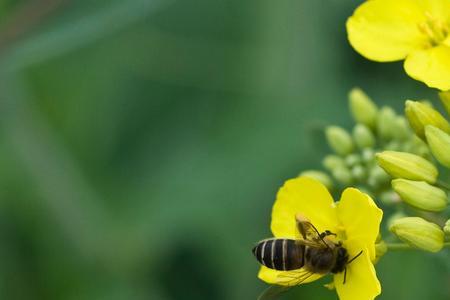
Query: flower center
column 341, row 234
column 338, row 236
column 435, row 29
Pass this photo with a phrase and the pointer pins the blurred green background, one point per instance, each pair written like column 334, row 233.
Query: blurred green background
column 142, row 143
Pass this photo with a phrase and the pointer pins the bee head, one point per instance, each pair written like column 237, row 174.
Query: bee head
column 341, row 260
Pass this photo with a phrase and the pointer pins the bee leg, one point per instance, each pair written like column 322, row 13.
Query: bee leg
column 345, row 270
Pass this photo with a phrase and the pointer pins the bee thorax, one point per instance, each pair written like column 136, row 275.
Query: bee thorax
column 341, row 260
column 320, row 260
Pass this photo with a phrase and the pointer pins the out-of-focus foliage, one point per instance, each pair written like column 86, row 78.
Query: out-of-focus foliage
column 142, row 142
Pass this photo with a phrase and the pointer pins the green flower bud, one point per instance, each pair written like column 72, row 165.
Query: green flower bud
column 407, row 165
column 401, row 129
column 420, row 194
column 343, row 175
column 363, row 137
column 416, row 146
column 386, row 121
column 447, row 227
column 426, row 102
column 445, row 99
column 417, row 142
column 389, row 197
column 363, row 109
column 359, row 173
column 393, row 218
column 379, row 238
column 319, row 176
column 419, row 233
column 331, row 162
column 379, row 174
column 352, row 160
column 439, row 143
column 422, row 151
column 393, row 145
column 380, row 250
column 377, row 178
column 368, row 155
column 419, row 115
column 339, row 140
column 372, row 183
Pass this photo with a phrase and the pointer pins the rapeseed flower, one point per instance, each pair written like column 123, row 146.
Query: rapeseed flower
column 415, row 30
column 356, row 221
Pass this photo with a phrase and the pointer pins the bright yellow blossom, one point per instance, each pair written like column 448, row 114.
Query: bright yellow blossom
column 415, row 30
column 355, row 219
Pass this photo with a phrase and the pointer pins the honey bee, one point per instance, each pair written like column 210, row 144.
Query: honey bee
column 312, row 253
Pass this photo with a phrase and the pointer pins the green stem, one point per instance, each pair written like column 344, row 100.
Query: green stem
column 398, row 246
column 403, row 246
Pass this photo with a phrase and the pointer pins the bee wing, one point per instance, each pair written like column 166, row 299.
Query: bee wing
column 296, row 277
column 307, row 230
column 310, row 243
column 291, row 279
column 273, row 292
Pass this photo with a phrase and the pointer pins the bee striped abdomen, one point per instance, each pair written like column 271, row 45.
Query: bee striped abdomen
column 280, row 254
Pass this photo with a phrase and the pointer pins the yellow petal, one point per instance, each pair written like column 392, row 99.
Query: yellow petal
column 432, row 66
column 360, row 217
column 361, row 282
column 446, row 42
column 437, row 9
column 306, row 196
column 286, row 278
column 386, row 30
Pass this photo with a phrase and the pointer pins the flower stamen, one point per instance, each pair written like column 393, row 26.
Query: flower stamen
column 435, row 29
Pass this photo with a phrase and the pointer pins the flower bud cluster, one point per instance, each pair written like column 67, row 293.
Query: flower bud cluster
column 432, row 127
column 393, row 159
column 416, row 177
column 353, row 161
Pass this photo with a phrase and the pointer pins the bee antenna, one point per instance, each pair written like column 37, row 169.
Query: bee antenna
column 355, row 257
column 320, row 236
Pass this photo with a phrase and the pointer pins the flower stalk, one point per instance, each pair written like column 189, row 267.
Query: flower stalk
column 404, row 246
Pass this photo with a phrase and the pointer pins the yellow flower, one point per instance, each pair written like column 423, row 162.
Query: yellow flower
column 415, row 30
column 355, row 219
